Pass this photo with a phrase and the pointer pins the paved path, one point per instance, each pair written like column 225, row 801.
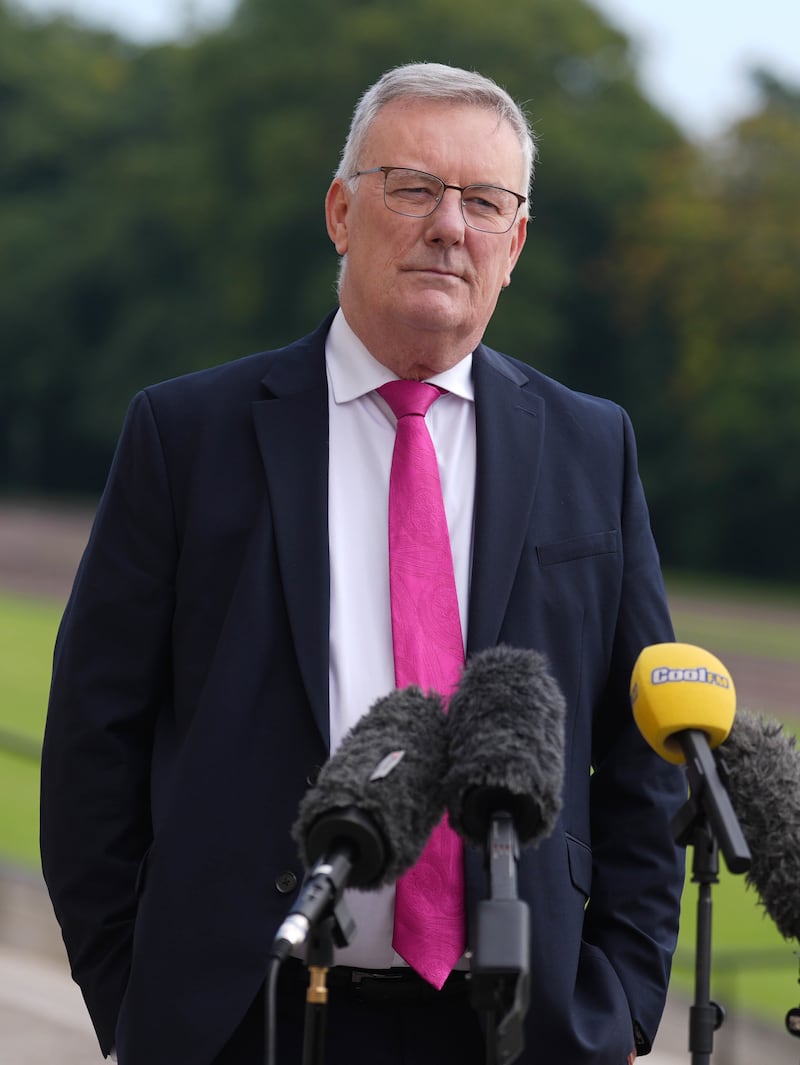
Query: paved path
column 42, row 1017
column 40, row 547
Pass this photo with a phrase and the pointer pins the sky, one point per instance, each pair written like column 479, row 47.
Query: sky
column 693, row 55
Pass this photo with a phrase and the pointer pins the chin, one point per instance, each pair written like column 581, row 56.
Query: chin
column 436, row 312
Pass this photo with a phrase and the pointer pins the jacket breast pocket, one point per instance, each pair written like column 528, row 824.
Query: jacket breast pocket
column 577, row 547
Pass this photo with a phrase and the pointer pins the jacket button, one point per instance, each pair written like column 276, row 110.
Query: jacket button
column 313, row 775
column 286, row 882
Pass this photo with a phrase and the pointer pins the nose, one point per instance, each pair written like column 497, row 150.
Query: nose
column 446, row 225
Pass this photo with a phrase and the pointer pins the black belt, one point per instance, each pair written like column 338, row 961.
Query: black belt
column 381, row 985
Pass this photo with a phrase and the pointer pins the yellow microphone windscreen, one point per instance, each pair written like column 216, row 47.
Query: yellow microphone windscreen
column 677, row 686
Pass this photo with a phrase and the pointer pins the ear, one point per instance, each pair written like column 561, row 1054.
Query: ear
column 337, row 204
column 519, row 235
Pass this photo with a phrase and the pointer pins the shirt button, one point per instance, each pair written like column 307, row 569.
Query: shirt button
column 286, row 882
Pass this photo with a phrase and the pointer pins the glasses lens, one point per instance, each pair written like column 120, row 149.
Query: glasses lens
column 488, row 208
column 412, row 192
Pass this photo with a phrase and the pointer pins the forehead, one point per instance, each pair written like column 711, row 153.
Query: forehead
column 459, row 142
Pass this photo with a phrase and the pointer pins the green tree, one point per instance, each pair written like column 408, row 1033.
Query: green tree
column 709, row 287
column 92, row 251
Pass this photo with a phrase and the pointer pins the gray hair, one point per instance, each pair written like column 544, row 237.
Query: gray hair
column 435, row 81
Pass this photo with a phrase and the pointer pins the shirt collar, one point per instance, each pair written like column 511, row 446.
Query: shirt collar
column 353, row 372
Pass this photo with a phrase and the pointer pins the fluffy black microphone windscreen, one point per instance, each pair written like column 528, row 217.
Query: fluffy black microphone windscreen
column 506, row 729
column 762, row 764
column 389, row 768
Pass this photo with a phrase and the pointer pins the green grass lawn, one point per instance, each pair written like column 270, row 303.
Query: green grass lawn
column 27, row 633
column 762, row 982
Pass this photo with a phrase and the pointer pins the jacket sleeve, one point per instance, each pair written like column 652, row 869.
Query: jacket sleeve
column 637, row 868
column 111, row 680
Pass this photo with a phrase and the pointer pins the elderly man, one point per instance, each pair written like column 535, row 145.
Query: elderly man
column 241, row 605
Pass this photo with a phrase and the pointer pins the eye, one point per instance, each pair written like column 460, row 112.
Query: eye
column 484, row 199
column 411, row 186
column 415, row 192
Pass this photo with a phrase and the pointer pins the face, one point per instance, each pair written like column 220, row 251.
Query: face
column 419, row 292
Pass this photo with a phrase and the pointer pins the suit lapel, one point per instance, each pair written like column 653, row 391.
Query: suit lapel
column 292, row 430
column 510, row 427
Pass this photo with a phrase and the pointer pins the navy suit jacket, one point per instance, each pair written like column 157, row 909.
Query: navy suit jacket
column 189, row 705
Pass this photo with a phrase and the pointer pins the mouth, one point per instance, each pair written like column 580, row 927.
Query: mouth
column 437, row 271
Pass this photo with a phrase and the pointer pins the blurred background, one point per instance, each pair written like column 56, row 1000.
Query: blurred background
column 162, row 174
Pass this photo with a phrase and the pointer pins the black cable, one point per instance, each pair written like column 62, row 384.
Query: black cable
column 270, row 1019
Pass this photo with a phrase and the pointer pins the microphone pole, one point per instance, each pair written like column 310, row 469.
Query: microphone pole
column 708, row 824
column 500, row 970
column 337, row 928
column 691, row 829
column 319, row 958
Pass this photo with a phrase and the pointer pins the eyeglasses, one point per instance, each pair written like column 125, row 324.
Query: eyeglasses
column 414, row 193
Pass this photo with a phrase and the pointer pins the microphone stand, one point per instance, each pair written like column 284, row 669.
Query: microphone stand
column 705, row 1015
column 500, row 965
column 336, row 929
column 708, row 823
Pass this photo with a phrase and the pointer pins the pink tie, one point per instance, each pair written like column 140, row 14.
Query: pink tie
column 429, row 920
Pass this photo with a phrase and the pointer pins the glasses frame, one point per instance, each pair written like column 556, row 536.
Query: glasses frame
column 386, row 170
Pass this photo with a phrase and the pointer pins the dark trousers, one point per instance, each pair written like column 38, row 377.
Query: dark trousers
column 363, row 1029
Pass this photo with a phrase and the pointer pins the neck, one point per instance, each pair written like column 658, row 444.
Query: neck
column 411, row 353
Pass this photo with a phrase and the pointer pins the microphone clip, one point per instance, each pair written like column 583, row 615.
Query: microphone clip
column 709, row 804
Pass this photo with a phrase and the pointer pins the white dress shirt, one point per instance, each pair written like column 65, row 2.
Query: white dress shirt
column 362, row 432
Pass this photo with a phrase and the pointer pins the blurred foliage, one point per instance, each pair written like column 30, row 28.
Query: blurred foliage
column 710, row 265
column 161, row 209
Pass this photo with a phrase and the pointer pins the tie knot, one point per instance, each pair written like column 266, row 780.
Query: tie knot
column 409, row 397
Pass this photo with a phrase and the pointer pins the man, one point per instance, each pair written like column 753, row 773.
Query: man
column 231, row 620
